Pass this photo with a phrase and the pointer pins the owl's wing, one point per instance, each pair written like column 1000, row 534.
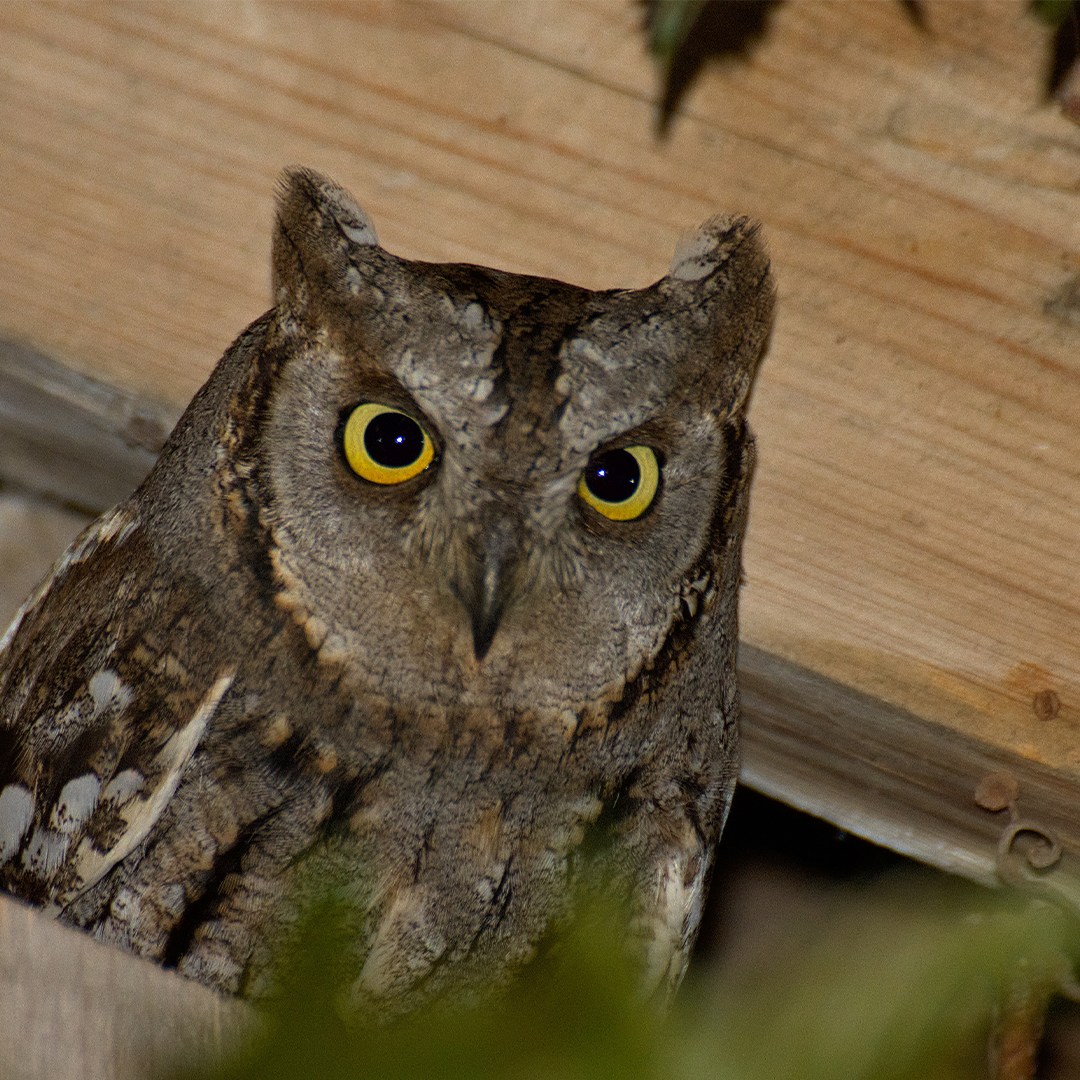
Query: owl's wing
column 669, row 906
column 100, row 711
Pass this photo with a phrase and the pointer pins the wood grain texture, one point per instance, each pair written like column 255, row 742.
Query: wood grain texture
column 72, row 439
column 917, row 506
column 877, row 771
column 75, row 1009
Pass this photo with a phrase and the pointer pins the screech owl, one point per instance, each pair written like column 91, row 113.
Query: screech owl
column 429, row 600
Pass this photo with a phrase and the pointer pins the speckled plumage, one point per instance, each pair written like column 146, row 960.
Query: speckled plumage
column 445, row 699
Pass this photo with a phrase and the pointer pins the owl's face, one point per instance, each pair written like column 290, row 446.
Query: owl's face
column 431, row 597
column 518, row 474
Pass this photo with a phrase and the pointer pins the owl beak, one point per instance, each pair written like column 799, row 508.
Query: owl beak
column 487, row 610
column 487, row 586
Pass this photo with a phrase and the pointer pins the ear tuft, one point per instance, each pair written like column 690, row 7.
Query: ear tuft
column 318, row 225
column 305, row 195
column 722, row 295
column 704, row 251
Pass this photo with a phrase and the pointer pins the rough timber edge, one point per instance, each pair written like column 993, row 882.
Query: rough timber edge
column 905, row 783
column 75, row 1009
column 874, row 770
column 70, row 439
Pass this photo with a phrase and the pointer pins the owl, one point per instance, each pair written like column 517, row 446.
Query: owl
column 429, row 604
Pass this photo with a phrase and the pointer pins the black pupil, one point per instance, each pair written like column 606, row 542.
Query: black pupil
column 613, row 476
column 393, row 440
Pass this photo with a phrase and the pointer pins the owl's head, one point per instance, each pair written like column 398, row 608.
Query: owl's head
column 487, row 486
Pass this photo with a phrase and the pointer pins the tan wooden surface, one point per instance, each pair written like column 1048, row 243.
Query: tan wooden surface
column 74, row 1009
column 917, row 506
column 912, row 590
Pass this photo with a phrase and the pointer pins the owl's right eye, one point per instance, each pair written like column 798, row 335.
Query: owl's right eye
column 385, row 445
column 621, row 484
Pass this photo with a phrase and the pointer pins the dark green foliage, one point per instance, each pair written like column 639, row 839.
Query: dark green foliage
column 670, row 22
column 1052, row 12
column 574, row 1015
column 901, row 985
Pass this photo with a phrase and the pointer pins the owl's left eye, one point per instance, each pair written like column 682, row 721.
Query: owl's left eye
column 385, row 445
column 621, row 484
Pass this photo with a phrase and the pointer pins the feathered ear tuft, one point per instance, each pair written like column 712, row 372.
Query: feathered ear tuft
column 720, row 276
column 713, row 245
column 318, row 224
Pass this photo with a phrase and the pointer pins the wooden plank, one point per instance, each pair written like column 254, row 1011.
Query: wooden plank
column 961, row 805
column 916, row 512
column 70, row 438
column 75, row 1009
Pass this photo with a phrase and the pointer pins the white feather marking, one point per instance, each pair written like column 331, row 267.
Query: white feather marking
column 76, row 803
column 391, row 965
column 482, row 389
column 695, row 257
column 123, row 786
column 111, row 528
column 473, row 316
column 108, row 689
column 675, row 915
column 13, row 626
column 16, row 814
column 125, row 906
column 354, row 281
column 116, row 526
column 362, row 232
column 142, row 814
column 46, row 852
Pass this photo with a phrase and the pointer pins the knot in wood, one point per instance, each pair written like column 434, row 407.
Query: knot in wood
column 997, row 790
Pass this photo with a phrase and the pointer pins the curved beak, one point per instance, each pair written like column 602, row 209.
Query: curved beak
column 486, row 585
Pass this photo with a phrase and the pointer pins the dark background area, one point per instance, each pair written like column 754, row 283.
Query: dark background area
column 783, row 880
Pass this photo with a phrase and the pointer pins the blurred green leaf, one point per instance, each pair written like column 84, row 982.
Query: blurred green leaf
column 574, row 1014
column 901, row 985
column 670, row 21
column 1052, row 12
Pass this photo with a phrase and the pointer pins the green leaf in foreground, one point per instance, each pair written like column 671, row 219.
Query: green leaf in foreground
column 1052, row 12
column 901, row 983
column 669, row 24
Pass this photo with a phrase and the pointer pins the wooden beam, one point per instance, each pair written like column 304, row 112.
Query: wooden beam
column 74, row 1009
column 944, row 798
column 70, row 438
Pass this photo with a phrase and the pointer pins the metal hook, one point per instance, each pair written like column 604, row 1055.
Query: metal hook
column 1040, row 856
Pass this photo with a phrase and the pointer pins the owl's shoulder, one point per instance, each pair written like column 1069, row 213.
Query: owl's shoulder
column 105, row 692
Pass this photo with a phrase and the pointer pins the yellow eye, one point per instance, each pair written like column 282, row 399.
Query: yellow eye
column 621, row 484
column 385, row 445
